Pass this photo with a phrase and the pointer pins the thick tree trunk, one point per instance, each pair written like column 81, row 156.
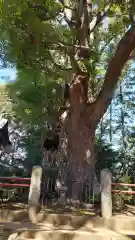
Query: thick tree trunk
column 81, row 153
column 77, row 140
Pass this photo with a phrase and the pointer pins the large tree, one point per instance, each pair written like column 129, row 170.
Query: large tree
column 67, row 39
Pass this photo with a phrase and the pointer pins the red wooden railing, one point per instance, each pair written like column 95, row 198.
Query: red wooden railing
column 28, row 184
column 14, row 184
column 123, row 191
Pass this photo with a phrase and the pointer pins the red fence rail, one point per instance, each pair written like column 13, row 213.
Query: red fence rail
column 124, row 184
column 123, row 191
column 14, row 184
column 28, row 185
column 15, row 178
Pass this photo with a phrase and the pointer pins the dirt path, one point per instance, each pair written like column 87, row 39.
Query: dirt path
column 14, row 218
column 41, row 232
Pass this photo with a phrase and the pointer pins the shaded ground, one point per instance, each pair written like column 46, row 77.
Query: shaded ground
column 129, row 210
column 56, row 209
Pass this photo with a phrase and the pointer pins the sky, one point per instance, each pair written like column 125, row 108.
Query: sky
column 7, row 74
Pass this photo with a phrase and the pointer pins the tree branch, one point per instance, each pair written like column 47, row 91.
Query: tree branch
column 67, row 10
column 99, row 18
column 85, row 23
column 123, row 52
column 43, row 14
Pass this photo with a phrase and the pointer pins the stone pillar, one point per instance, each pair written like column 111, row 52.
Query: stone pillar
column 35, row 185
column 34, row 193
column 106, row 194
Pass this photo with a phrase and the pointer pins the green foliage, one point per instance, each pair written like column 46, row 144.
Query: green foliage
column 39, row 39
column 106, row 157
column 5, row 103
column 31, row 144
column 35, row 97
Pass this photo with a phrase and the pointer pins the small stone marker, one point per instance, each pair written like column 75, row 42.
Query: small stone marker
column 62, row 197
